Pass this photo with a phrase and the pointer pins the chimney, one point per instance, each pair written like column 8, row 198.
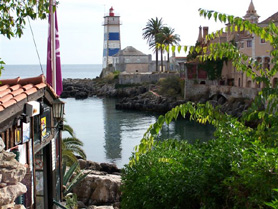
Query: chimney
column 205, row 32
column 200, row 37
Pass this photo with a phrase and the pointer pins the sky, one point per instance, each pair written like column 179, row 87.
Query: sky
column 81, row 30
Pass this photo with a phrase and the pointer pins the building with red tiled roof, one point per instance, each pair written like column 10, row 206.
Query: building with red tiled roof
column 30, row 127
column 249, row 44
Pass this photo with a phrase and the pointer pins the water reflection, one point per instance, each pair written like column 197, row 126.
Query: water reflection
column 112, row 131
column 110, row 135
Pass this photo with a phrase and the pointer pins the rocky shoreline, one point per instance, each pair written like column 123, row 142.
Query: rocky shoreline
column 100, row 189
column 144, row 98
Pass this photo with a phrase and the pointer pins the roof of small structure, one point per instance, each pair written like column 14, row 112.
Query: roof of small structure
column 129, row 51
column 272, row 18
column 251, row 11
column 12, row 91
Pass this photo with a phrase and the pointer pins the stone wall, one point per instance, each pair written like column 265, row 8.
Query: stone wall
column 193, row 90
column 134, row 78
column 11, row 174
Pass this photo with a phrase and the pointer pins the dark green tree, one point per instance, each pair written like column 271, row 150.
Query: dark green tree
column 167, row 37
column 153, row 27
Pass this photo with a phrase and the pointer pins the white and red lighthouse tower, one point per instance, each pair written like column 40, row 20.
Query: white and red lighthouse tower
column 112, row 38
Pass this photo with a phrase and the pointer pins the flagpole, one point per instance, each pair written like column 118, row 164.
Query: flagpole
column 53, row 47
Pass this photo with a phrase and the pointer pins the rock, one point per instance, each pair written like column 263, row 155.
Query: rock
column 109, row 168
column 81, row 95
column 8, row 206
column 12, row 176
column 116, row 205
column 6, row 156
column 19, row 207
column 10, row 193
column 81, row 204
column 90, row 165
column 99, row 189
column 2, row 145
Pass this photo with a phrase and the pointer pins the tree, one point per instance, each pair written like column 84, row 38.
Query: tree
column 238, row 169
column 71, row 147
column 15, row 12
column 168, row 38
column 152, row 28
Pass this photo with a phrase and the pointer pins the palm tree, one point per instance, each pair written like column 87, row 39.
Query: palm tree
column 168, row 38
column 71, row 147
column 152, row 28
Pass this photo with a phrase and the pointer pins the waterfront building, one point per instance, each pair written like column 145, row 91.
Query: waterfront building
column 112, row 37
column 249, row 44
column 131, row 60
column 31, row 121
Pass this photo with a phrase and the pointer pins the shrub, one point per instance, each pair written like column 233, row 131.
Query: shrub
column 218, row 174
column 171, row 86
column 237, row 169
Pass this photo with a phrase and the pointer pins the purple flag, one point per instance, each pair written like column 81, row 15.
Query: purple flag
column 58, row 82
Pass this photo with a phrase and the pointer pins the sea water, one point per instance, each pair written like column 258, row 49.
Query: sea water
column 109, row 135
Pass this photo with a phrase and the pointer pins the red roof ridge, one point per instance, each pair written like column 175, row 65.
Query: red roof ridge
column 23, row 81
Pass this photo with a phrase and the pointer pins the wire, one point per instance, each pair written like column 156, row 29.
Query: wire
column 35, row 45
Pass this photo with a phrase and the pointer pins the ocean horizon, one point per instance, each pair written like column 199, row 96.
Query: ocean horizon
column 68, row 71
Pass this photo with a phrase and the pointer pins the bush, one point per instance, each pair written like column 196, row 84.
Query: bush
column 219, row 174
column 237, row 169
column 171, row 86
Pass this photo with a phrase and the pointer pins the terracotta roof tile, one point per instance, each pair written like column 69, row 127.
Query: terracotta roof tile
column 10, row 81
column 15, row 87
column 31, row 91
column 15, row 90
column 6, row 98
column 20, row 97
column 40, row 85
column 28, row 86
column 34, row 80
column 8, row 103
column 2, row 88
column 4, row 93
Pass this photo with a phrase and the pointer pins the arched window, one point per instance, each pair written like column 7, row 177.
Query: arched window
column 266, row 62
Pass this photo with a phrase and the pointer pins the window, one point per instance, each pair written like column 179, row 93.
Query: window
column 249, row 43
column 241, row 44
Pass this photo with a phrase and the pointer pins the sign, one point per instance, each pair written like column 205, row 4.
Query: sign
column 43, row 127
column 17, row 134
column 25, row 132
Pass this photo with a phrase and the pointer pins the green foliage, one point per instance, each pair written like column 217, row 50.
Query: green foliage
column 213, row 68
column 1, row 66
column 71, row 147
column 235, row 170
column 238, row 169
column 72, row 177
column 71, row 201
column 171, row 86
column 153, row 27
column 14, row 13
column 116, row 74
column 274, row 203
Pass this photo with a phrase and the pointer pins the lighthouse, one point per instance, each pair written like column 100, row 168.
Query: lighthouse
column 112, row 38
